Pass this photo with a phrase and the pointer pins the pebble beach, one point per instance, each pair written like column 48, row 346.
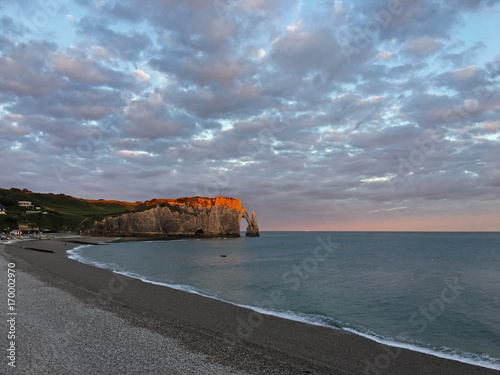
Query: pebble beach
column 75, row 318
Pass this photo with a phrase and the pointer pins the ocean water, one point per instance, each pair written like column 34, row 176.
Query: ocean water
column 437, row 293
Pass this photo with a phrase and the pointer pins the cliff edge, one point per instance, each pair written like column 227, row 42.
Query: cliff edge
column 186, row 217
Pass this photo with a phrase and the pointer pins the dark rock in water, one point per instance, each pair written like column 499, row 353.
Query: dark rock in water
column 183, row 217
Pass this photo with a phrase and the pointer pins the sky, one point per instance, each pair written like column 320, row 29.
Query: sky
column 319, row 115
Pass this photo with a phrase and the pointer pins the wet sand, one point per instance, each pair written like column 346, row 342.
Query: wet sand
column 214, row 336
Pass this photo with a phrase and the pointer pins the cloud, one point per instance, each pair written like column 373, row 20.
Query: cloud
column 491, row 126
column 464, row 80
column 86, row 70
column 151, row 118
column 385, row 55
column 259, row 100
column 96, row 32
column 465, row 56
column 423, row 46
column 24, row 70
column 141, row 76
column 302, row 52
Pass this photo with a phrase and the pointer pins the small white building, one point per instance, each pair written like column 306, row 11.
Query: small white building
column 26, row 204
column 2, row 209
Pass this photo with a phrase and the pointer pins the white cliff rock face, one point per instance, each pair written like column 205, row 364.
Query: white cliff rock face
column 183, row 217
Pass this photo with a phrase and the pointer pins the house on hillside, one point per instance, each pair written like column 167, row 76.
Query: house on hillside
column 2, row 209
column 25, row 204
column 28, row 227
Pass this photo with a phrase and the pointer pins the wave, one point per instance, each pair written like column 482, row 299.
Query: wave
column 74, row 253
column 482, row 360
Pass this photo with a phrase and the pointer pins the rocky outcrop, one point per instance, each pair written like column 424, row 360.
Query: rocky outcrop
column 196, row 216
column 252, row 229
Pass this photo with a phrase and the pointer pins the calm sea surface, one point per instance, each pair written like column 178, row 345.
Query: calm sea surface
column 433, row 292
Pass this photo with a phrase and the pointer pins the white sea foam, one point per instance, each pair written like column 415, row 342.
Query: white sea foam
column 482, row 360
column 75, row 253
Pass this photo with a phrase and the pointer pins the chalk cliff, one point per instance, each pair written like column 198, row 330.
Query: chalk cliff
column 196, row 216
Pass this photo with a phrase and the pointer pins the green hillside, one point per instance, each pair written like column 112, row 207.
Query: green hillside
column 57, row 212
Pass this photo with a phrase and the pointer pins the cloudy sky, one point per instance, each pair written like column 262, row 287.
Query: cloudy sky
column 320, row 115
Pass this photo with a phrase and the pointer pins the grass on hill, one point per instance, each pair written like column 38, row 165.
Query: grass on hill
column 63, row 211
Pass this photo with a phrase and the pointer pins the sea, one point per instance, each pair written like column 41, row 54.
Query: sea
column 432, row 292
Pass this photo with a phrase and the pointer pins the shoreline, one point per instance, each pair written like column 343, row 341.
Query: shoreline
column 297, row 318
column 230, row 335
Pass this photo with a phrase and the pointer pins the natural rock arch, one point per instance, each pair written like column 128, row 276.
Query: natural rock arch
column 252, row 229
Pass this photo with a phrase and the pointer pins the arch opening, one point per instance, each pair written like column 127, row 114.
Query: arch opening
column 243, row 225
column 252, row 228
